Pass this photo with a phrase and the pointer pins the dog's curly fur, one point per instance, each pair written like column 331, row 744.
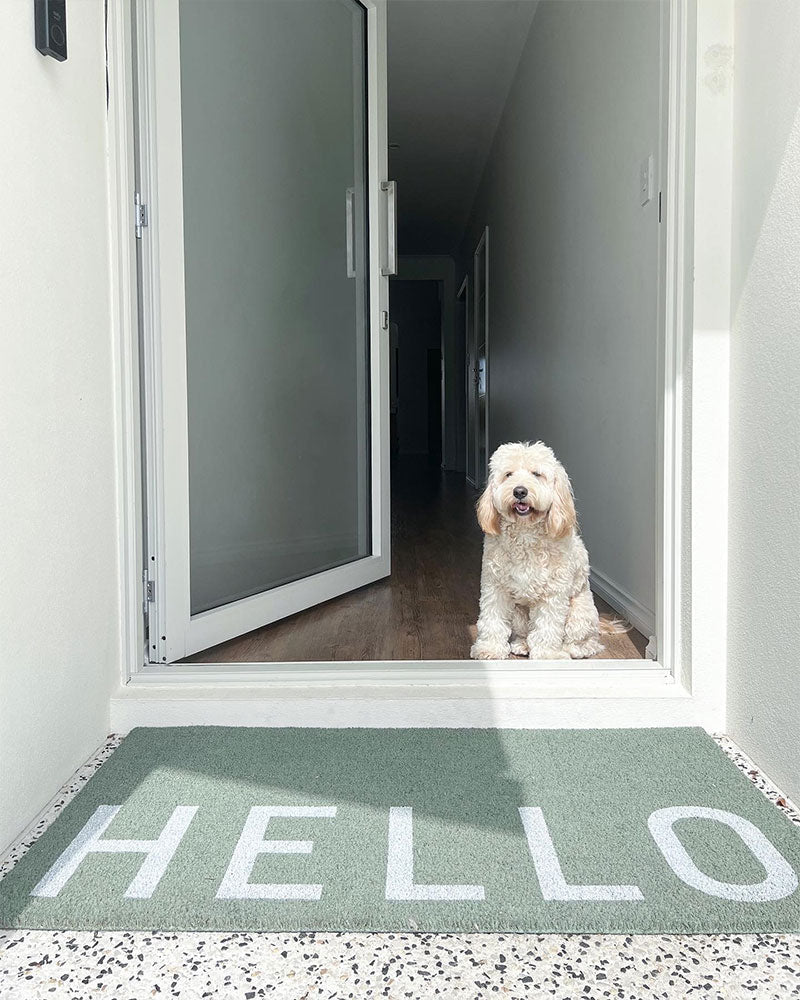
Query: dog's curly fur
column 535, row 597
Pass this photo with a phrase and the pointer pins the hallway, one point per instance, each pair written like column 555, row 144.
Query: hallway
column 423, row 610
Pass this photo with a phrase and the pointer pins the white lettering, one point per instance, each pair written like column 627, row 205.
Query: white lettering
column 158, row 852
column 781, row 880
column 548, row 868
column 400, row 883
column 235, row 884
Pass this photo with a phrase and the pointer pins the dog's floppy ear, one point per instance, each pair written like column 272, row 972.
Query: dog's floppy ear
column 488, row 518
column 561, row 517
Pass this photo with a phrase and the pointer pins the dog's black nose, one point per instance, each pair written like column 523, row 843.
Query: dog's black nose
column 520, row 492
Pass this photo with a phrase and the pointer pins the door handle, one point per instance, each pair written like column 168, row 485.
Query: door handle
column 350, row 229
column 390, row 187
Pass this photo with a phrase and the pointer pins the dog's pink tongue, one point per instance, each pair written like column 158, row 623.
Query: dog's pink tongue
column 522, row 508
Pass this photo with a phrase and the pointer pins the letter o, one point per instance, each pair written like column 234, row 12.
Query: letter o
column 781, row 880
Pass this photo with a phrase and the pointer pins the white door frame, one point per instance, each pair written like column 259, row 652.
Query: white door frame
column 615, row 692
column 175, row 632
column 482, row 248
column 464, row 292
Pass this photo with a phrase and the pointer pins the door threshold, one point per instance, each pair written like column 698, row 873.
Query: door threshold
column 526, row 678
column 617, row 694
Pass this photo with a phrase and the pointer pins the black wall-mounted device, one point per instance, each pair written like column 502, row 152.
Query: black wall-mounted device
column 51, row 27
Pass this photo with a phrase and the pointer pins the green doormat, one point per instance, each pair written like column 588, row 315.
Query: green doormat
column 616, row 831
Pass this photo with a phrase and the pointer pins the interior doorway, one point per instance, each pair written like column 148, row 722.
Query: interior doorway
column 416, row 310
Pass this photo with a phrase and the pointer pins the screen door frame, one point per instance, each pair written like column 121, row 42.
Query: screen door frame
column 173, row 632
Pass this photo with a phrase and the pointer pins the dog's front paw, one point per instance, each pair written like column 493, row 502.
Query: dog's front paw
column 519, row 647
column 581, row 650
column 486, row 651
column 546, row 653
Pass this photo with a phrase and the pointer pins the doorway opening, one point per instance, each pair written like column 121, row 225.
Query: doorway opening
column 314, row 459
column 416, row 371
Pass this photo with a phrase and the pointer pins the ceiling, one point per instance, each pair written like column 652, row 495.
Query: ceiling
column 451, row 65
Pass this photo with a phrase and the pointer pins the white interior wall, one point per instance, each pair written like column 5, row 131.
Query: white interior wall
column 574, row 269
column 59, row 614
column 764, row 512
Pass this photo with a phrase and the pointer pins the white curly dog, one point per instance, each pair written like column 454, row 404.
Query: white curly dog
column 535, row 597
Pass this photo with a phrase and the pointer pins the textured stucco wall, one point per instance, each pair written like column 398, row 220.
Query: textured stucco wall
column 764, row 522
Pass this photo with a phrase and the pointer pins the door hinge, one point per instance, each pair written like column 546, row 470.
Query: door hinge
column 651, row 649
column 140, row 215
column 385, row 319
column 149, row 592
column 659, row 206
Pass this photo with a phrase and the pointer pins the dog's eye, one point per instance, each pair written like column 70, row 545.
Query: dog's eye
column 508, row 475
column 539, row 475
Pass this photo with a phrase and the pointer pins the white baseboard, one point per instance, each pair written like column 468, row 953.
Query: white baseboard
column 641, row 617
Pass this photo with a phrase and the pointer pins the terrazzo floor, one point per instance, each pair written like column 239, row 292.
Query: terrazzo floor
column 191, row 966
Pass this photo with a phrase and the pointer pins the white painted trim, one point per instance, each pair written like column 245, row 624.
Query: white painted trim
column 483, row 246
column 464, row 293
column 642, row 618
column 406, row 693
column 378, row 141
column 487, row 293
column 544, row 701
column 151, row 400
column 125, row 327
column 331, row 710
column 674, row 277
column 520, row 675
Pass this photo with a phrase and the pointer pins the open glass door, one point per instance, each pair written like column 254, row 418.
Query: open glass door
column 264, row 263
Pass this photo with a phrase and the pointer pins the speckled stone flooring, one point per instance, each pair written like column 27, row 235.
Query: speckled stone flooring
column 191, row 966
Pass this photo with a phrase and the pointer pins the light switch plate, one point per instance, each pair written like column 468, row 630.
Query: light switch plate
column 646, row 179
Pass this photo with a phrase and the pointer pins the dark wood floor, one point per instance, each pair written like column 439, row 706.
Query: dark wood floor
column 424, row 610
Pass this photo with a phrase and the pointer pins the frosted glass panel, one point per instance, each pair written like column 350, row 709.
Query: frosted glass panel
column 273, row 105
